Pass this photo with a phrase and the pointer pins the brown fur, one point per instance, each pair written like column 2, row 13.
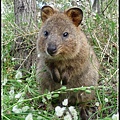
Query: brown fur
column 74, row 62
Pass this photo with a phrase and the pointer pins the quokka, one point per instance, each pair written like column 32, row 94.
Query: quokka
column 66, row 58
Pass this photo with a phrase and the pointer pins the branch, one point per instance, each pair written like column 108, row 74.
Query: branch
column 26, row 58
column 107, row 6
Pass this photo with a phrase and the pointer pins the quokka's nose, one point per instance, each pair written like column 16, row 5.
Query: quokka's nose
column 51, row 49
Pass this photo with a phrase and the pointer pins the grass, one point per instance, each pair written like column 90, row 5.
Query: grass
column 102, row 32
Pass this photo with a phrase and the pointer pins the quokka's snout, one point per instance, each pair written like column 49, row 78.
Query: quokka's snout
column 51, row 48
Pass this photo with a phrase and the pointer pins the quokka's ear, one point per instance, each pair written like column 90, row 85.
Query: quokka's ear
column 75, row 14
column 46, row 12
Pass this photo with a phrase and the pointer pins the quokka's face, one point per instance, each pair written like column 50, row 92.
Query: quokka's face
column 58, row 38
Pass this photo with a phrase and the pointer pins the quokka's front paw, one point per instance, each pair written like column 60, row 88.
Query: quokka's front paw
column 65, row 78
column 56, row 75
column 84, row 114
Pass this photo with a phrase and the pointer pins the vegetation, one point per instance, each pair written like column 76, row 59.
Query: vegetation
column 20, row 96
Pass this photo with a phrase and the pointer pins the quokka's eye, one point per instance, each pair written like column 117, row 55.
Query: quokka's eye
column 46, row 33
column 65, row 34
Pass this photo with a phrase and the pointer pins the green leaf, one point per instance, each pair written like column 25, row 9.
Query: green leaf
column 76, row 89
column 88, row 91
column 92, row 87
column 55, row 95
column 83, row 88
column 43, row 100
column 49, row 96
column 63, row 88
